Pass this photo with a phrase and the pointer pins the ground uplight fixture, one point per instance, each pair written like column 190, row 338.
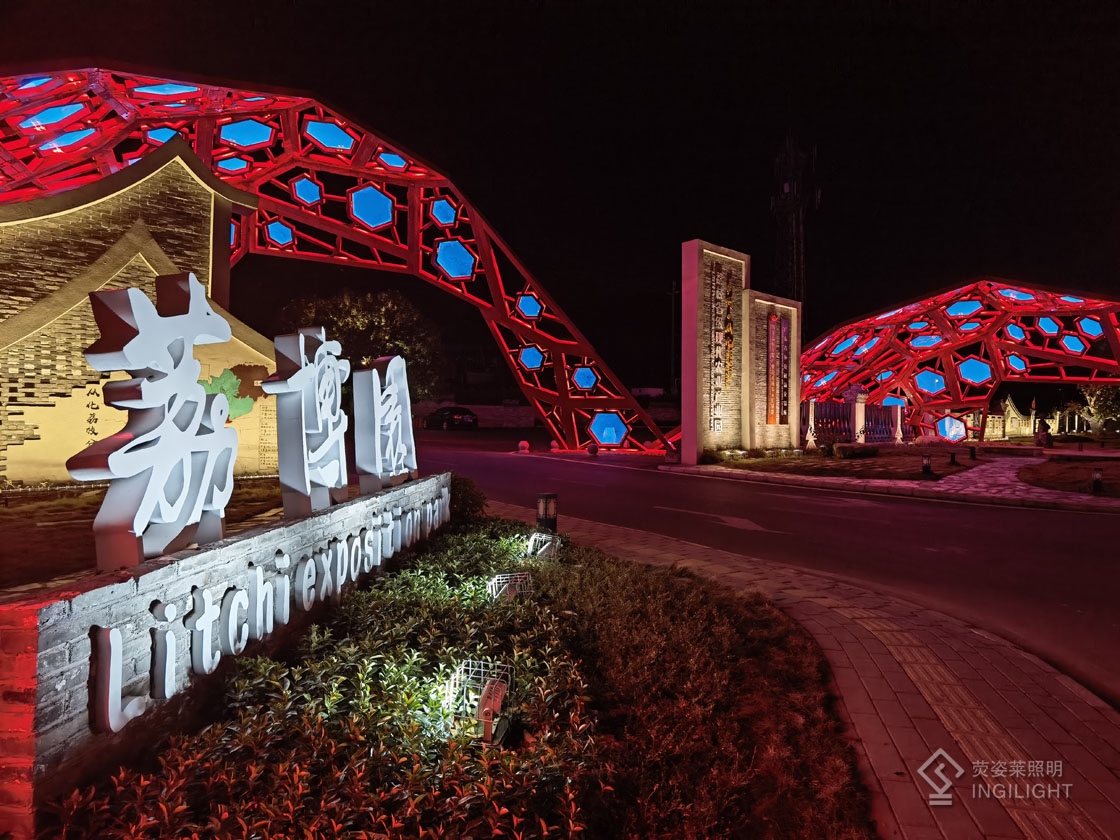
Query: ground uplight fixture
column 509, row 586
column 546, row 512
column 1098, row 481
column 542, row 545
column 927, row 465
column 476, row 698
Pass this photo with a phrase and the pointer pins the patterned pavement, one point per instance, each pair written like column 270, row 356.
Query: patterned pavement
column 1038, row 755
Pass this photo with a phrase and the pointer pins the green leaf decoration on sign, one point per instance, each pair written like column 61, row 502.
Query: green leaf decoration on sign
column 228, row 383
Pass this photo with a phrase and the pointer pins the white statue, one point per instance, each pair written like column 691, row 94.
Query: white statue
column 170, row 469
column 384, row 447
column 310, row 423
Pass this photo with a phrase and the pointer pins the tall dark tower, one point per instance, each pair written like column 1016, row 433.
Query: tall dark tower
column 793, row 173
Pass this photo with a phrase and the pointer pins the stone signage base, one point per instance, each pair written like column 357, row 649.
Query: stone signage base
column 95, row 670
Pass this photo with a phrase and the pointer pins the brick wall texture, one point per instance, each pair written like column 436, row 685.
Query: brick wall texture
column 46, row 739
column 712, row 312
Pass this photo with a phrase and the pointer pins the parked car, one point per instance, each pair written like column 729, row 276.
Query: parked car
column 451, row 417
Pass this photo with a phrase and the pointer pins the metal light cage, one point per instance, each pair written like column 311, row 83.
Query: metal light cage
column 510, row 585
column 543, row 545
column 476, row 696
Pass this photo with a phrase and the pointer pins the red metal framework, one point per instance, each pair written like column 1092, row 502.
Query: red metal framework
column 943, row 357
column 330, row 190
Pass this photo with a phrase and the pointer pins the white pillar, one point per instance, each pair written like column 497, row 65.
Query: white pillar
column 859, row 418
column 811, row 435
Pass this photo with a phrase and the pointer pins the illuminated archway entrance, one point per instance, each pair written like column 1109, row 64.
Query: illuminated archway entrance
column 330, row 191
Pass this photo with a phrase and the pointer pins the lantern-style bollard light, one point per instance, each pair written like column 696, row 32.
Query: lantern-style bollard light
column 1098, row 481
column 927, row 465
column 546, row 512
column 952, row 459
column 972, row 453
column 593, row 450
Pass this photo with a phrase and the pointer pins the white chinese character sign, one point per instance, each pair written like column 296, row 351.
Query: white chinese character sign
column 310, row 423
column 170, row 469
column 384, row 447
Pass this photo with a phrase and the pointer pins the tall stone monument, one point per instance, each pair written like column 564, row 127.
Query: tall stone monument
column 739, row 356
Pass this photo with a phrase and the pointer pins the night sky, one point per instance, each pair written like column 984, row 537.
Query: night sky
column 596, row 137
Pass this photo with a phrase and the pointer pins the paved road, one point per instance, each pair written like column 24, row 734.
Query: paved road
column 1048, row 580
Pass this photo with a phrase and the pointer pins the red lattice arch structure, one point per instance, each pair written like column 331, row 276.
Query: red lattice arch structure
column 332, row 191
column 943, row 357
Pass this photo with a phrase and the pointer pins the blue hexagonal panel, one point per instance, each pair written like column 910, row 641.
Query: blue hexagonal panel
column 161, row 135
column 952, row 429
column 1016, row 294
column 894, row 401
column 455, row 260
column 585, row 378
column 247, row 134
column 279, row 233
column 1016, row 362
column 1015, row 332
column 1048, row 326
column 65, row 141
column 884, row 376
column 608, row 428
column 1074, row 344
column 529, row 305
column 393, row 161
column 530, row 358
column 37, row 81
column 444, row 212
column 330, row 135
column 371, row 207
column 824, row 380
column 233, row 165
column 969, row 326
column 975, row 371
column 930, row 381
column 866, row 346
column 52, row 116
column 963, row 307
column 844, row 345
column 306, row 190
column 925, row 341
column 919, row 325
column 1091, row 327
column 166, row 89
column 1071, row 299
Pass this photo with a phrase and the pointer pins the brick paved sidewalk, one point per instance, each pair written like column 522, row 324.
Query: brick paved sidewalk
column 912, row 681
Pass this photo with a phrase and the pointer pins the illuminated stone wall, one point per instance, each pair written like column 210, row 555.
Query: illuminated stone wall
column 157, row 217
column 50, row 701
column 772, row 401
column 712, row 343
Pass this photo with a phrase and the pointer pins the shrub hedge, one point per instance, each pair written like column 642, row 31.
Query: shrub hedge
column 645, row 704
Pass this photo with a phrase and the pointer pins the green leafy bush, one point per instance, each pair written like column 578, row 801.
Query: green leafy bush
column 847, row 451
column 468, row 502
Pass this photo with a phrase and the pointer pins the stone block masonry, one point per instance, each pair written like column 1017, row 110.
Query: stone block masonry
column 96, row 669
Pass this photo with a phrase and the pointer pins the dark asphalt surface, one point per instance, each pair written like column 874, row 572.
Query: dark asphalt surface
column 1048, row 580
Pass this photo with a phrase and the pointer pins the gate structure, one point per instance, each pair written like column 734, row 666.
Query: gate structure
column 329, row 190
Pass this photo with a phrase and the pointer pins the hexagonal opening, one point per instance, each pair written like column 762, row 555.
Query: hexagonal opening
column 608, row 428
column 530, row 358
column 444, row 212
column 585, row 378
column 975, row 371
column 161, row 135
column 1090, row 327
column 1015, row 332
column 962, row 308
column 165, row 89
column 306, row 190
column 1017, row 362
column 52, row 116
column 824, row 380
column 1074, row 344
column 930, row 381
column 279, row 233
column 922, row 341
column 892, row 400
column 1016, row 294
column 370, row 206
column 1048, row 326
column 952, row 429
column 329, row 135
column 455, row 259
column 393, row 161
column 867, row 346
column 844, row 345
column 65, row 141
column 529, row 305
column 247, row 134
column 233, row 165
